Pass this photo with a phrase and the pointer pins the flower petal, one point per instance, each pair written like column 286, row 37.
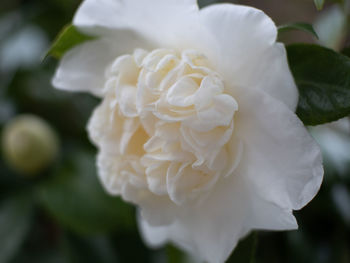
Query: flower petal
column 248, row 56
column 169, row 23
column 210, row 230
column 83, row 67
column 280, row 159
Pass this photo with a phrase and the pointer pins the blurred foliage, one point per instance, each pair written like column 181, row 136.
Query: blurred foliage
column 319, row 4
column 75, row 198
column 64, row 216
column 15, row 221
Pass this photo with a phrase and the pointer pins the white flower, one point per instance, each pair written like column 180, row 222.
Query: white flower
column 197, row 123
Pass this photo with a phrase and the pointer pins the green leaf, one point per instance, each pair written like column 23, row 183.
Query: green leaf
column 15, row 221
column 346, row 51
column 297, row 26
column 323, row 79
column 68, row 38
column 174, row 255
column 10, row 183
column 75, row 198
column 319, row 4
column 78, row 249
column 245, row 250
column 204, row 3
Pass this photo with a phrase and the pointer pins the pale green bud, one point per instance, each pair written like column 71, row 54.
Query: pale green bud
column 29, row 144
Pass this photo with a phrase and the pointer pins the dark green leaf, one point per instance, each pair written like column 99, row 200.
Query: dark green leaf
column 204, row 3
column 299, row 245
column 174, row 254
column 7, row 111
column 346, row 51
column 245, row 250
column 319, row 4
column 297, row 26
column 88, row 249
column 43, row 256
column 76, row 199
column 11, row 183
column 15, row 221
column 68, row 38
column 323, row 79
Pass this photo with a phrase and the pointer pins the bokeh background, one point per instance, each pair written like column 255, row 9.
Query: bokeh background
column 61, row 214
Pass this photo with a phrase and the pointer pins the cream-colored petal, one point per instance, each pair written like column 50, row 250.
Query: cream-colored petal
column 83, row 67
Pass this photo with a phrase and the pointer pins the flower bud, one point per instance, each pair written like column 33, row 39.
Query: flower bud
column 29, row 144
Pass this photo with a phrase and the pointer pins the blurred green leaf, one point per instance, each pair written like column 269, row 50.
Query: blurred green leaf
column 297, row 26
column 7, row 111
column 346, row 51
column 204, row 3
column 43, row 256
column 300, row 247
column 319, row 4
column 174, row 254
column 68, row 38
column 11, row 183
column 15, row 220
column 323, row 80
column 74, row 196
column 67, row 112
column 88, row 250
column 245, row 250
column 341, row 199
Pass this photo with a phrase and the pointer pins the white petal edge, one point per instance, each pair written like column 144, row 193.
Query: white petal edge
column 211, row 230
column 166, row 23
column 281, row 159
column 117, row 13
column 248, row 56
column 83, row 67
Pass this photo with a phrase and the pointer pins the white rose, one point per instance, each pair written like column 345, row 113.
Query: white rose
column 197, row 123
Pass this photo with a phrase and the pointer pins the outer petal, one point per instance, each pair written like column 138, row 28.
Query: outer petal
column 118, row 13
column 248, row 56
column 83, row 67
column 168, row 23
column 212, row 229
column 280, row 159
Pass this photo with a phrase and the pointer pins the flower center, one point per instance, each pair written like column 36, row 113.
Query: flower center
column 168, row 122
